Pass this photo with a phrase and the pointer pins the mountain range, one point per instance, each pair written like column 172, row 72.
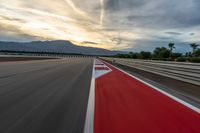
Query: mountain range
column 57, row 46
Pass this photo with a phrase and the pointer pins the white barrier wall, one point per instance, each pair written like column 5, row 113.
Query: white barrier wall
column 187, row 72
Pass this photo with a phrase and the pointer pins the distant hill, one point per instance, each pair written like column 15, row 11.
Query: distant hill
column 54, row 47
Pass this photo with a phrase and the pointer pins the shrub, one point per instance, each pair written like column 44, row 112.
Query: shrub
column 181, row 59
column 194, row 59
column 162, row 59
column 176, row 55
column 144, row 55
column 197, row 52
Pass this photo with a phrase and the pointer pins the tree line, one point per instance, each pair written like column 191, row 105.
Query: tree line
column 166, row 54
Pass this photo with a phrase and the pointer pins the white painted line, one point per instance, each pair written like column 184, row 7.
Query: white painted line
column 163, row 92
column 100, row 65
column 103, row 64
column 89, row 121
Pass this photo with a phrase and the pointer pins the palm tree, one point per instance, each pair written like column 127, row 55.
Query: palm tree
column 194, row 47
column 171, row 47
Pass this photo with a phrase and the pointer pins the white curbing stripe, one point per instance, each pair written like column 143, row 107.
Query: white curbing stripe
column 99, row 73
column 163, row 92
column 89, row 120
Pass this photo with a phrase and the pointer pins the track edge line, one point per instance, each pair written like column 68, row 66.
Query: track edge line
column 89, row 120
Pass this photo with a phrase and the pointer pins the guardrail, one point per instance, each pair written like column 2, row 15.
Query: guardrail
column 183, row 71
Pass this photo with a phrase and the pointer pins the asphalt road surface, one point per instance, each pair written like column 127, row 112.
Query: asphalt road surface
column 48, row 96
column 8, row 59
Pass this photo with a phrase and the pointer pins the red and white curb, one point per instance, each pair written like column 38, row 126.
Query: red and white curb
column 99, row 69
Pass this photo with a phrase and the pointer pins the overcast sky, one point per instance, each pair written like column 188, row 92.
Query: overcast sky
column 131, row 25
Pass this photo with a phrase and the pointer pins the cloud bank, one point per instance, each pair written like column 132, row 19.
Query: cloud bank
column 131, row 25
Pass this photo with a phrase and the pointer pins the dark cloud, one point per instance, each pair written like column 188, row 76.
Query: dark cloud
column 116, row 40
column 150, row 45
column 16, row 36
column 12, row 33
column 112, row 5
column 174, row 33
column 192, row 34
column 181, row 14
column 88, row 42
column 9, row 28
column 155, row 13
column 142, row 24
column 117, row 5
column 2, row 17
column 137, row 17
column 164, row 38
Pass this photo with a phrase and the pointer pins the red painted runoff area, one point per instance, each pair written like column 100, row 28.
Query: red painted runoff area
column 126, row 105
column 99, row 64
column 101, row 68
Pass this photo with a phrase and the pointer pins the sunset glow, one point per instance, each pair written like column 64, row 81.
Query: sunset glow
column 112, row 24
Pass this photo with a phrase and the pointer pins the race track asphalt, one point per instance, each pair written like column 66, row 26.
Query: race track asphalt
column 46, row 96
